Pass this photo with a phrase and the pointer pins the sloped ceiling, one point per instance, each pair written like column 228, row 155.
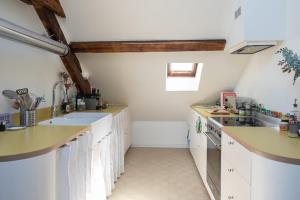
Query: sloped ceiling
column 138, row 79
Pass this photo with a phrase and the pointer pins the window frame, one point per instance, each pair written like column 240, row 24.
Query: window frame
column 187, row 74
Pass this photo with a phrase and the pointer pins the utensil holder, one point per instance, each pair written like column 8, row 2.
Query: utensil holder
column 28, row 118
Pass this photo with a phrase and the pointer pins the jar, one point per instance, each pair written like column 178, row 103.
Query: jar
column 248, row 112
column 242, row 111
column 284, row 126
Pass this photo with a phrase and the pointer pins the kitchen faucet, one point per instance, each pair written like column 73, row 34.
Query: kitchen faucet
column 53, row 107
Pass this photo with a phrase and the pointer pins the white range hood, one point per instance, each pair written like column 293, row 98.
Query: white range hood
column 255, row 25
column 252, row 47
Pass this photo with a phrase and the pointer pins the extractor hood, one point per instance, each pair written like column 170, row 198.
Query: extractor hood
column 251, row 47
column 17, row 33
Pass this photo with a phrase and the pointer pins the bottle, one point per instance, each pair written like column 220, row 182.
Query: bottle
column 98, row 96
column 2, row 126
column 295, row 111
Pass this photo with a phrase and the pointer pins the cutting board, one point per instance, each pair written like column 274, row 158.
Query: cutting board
column 217, row 111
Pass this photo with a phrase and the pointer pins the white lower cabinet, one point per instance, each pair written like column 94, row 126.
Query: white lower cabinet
column 85, row 168
column 233, row 185
column 198, row 143
column 273, row 180
column 127, row 129
column 29, row 179
column 235, row 170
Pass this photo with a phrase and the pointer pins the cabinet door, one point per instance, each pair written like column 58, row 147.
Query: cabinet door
column 233, row 185
column 237, row 155
column 193, row 134
column 127, row 131
column 203, row 156
column 226, row 181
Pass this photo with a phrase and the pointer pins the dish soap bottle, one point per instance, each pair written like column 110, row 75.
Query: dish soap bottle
column 295, row 112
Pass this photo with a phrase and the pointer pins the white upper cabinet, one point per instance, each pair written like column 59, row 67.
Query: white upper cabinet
column 255, row 22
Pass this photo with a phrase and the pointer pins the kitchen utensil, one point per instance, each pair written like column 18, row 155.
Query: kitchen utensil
column 22, row 91
column 10, row 94
column 16, row 104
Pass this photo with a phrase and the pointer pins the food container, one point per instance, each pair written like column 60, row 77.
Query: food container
column 284, row 126
column 293, row 130
column 248, row 112
column 242, row 112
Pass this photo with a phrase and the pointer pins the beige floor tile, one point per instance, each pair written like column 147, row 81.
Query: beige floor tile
column 159, row 174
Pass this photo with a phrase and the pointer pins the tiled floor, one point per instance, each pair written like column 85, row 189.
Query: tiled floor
column 159, row 174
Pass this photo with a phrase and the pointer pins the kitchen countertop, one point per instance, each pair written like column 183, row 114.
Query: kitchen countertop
column 38, row 140
column 202, row 111
column 35, row 141
column 267, row 142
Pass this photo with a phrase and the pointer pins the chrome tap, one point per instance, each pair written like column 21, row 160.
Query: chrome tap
column 54, row 107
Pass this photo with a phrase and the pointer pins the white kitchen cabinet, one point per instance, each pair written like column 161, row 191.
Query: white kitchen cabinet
column 274, row 180
column 237, row 155
column 29, row 179
column 255, row 21
column 202, row 148
column 198, row 143
column 233, row 185
column 235, row 170
column 127, row 130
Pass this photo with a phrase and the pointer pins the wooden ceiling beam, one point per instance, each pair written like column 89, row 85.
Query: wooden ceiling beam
column 27, row 2
column 53, row 5
column 147, row 46
column 70, row 61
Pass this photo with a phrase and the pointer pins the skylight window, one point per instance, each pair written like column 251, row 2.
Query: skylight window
column 183, row 76
column 182, row 69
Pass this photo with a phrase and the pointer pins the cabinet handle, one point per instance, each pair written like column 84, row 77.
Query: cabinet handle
column 230, row 170
column 230, row 197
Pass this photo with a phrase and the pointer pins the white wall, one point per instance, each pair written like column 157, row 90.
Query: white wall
column 159, row 134
column 263, row 79
column 139, row 80
column 21, row 65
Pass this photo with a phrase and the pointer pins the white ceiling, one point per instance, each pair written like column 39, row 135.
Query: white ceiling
column 143, row 19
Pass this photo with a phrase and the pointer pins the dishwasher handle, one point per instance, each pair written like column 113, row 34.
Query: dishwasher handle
column 212, row 140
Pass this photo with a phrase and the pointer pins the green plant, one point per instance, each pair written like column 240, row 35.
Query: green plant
column 290, row 62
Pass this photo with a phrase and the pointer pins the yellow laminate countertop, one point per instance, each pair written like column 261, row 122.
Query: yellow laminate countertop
column 38, row 140
column 267, row 142
column 202, row 111
column 35, row 141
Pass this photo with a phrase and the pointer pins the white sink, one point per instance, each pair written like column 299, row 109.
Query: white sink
column 62, row 121
column 85, row 115
column 75, row 119
column 100, row 123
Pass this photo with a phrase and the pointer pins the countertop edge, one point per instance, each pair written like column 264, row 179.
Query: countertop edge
column 41, row 151
column 265, row 154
